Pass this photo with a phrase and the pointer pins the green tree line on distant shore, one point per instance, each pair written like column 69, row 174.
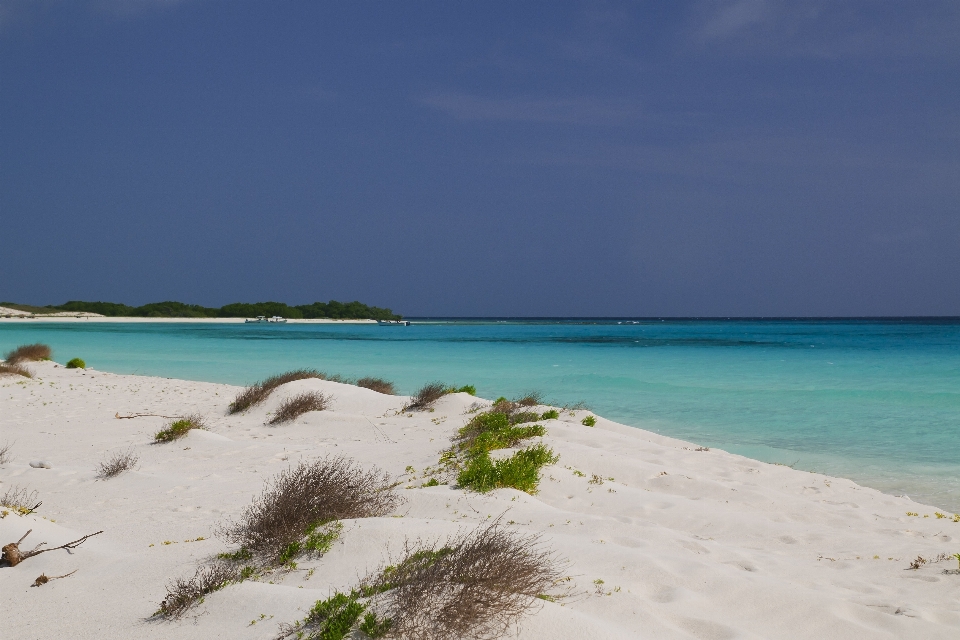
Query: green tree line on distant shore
column 333, row 309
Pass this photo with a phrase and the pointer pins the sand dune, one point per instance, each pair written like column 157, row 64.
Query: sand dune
column 675, row 542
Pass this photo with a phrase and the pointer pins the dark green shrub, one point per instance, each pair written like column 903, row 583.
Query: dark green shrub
column 589, row 421
column 552, row 414
column 76, row 363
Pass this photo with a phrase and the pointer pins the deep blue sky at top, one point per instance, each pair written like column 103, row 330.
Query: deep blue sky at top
column 743, row 157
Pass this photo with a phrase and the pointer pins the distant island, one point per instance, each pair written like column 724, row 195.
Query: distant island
column 334, row 310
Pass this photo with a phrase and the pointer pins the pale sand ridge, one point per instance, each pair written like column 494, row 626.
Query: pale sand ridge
column 688, row 544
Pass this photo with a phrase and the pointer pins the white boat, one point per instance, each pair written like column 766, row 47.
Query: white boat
column 393, row 323
column 265, row 320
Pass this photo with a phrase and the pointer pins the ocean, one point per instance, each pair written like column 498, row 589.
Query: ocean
column 876, row 401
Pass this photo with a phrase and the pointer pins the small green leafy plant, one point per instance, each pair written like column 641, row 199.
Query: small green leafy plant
column 552, row 414
column 589, row 421
column 179, row 428
column 76, row 363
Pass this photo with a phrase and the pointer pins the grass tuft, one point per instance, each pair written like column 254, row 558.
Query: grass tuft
column 427, row 396
column 183, row 594
column 589, row 421
column 29, row 353
column 260, row 391
column 117, row 463
column 14, row 370
column 520, row 471
column 179, row 428
column 377, row 384
column 302, row 500
column 295, row 406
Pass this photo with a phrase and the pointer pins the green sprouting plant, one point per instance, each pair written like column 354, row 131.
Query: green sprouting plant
column 467, row 388
column 178, row 429
column 76, row 363
column 335, row 618
column 236, row 556
column 432, row 482
column 957, row 556
column 519, row 471
column 589, row 421
column 319, row 538
column 552, row 414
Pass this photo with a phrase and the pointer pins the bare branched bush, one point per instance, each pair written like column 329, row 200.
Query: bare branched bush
column 20, row 499
column 117, row 463
column 260, row 391
column 29, row 353
column 531, row 399
column 5, row 452
column 377, row 384
column 295, row 406
column 183, row 594
column 473, row 586
column 427, row 396
column 305, row 496
column 14, row 370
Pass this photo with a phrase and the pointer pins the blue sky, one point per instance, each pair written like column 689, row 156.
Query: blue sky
column 745, row 157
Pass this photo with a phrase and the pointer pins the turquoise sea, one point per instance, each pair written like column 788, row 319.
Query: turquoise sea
column 877, row 401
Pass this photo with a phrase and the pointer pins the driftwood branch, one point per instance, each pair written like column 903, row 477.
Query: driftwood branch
column 13, row 555
column 142, row 415
column 43, row 578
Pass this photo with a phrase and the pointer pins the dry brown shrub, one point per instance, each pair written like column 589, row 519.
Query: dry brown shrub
column 182, row 594
column 117, row 463
column 531, row 399
column 295, row 406
column 20, row 499
column 5, row 455
column 427, row 396
column 28, row 353
column 14, row 370
column 377, row 384
column 318, row 491
column 473, row 586
column 260, row 391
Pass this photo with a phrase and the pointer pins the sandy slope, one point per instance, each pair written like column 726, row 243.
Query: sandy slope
column 688, row 544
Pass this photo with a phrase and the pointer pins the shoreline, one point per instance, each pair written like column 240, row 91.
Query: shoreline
column 663, row 538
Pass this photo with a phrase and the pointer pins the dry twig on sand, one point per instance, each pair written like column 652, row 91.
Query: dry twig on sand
column 13, row 555
column 43, row 578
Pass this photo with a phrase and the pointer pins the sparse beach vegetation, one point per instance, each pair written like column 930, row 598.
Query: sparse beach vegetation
column 29, row 353
column 259, row 391
column 183, row 594
column 116, row 463
column 377, row 384
column 14, row 370
column 589, row 421
column 295, row 406
column 472, row 586
column 5, row 452
column 19, row 500
column 302, row 500
column 426, row 396
column 551, row 414
column 76, row 363
column 179, row 428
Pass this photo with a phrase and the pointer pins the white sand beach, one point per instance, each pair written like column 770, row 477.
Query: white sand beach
column 676, row 543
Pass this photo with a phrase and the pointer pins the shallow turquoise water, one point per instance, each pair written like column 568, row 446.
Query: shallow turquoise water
column 875, row 401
